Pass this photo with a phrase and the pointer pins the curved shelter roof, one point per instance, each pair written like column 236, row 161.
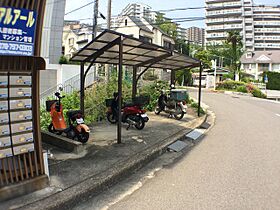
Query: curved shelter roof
column 105, row 49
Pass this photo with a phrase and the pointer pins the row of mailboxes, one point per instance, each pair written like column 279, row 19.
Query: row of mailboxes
column 16, row 104
column 16, row 139
column 15, row 92
column 15, row 80
column 16, row 150
column 16, row 116
column 15, row 128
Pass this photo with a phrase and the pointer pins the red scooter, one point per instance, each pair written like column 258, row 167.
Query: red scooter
column 132, row 114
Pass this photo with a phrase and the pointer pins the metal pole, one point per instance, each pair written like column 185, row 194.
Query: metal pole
column 120, row 91
column 199, row 91
column 134, row 82
column 173, row 75
column 82, row 88
column 95, row 16
column 215, row 73
column 109, row 14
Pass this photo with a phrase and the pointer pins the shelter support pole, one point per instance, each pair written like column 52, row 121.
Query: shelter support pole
column 199, row 90
column 134, row 82
column 173, row 77
column 82, row 88
column 120, row 73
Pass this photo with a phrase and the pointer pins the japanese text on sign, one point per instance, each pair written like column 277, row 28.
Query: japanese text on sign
column 17, row 31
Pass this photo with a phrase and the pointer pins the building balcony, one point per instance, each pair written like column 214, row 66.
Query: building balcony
column 271, row 38
column 267, row 23
column 223, row 12
column 267, row 30
column 223, row 20
column 267, row 45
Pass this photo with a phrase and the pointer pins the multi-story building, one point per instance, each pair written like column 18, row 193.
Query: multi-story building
column 52, row 31
column 266, row 28
column 136, row 10
column 195, row 35
column 259, row 25
column 222, row 16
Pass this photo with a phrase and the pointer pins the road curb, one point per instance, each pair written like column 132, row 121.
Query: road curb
column 94, row 185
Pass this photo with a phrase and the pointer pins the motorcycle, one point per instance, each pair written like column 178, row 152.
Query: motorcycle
column 132, row 114
column 171, row 105
column 76, row 129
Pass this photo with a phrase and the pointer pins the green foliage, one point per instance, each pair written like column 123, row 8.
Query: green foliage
column 258, row 93
column 45, row 118
column 242, row 89
column 150, row 75
column 63, row 60
column 167, row 26
column 186, row 75
column 230, row 85
column 273, row 80
column 153, row 91
column 195, row 106
column 182, row 47
column 95, row 107
column 205, row 57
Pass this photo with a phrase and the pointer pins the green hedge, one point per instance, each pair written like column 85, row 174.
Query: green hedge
column 273, row 80
column 230, row 85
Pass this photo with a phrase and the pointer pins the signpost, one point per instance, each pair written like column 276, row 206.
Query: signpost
column 17, row 31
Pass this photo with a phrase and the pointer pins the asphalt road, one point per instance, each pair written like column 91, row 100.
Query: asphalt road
column 236, row 166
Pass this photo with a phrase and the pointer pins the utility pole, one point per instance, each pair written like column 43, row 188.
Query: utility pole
column 109, row 15
column 95, row 16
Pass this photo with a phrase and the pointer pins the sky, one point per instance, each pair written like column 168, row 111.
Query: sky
column 118, row 5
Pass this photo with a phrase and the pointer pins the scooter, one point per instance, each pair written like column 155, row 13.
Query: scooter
column 76, row 129
column 133, row 115
column 174, row 108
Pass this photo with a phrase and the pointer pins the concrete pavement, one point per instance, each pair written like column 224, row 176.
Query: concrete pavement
column 74, row 178
column 237, row 165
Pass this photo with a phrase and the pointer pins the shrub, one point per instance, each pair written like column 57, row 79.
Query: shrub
column 258, row 93
column 153, row 91
column 242, row 89
column 230, row 85
column 273, row 80
column 195, row 106
column 63, row 60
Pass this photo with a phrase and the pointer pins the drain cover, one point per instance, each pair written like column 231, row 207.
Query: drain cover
column 205, row 125
column 195, row 134
column 177, row 146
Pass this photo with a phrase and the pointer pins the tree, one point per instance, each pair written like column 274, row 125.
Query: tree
column 63, row 60
column 234, row 39
column 167, row 26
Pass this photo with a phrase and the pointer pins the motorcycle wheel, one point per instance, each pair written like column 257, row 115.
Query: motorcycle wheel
column 140, row 124
column 51, row 129
column 180, row 115
column 157, row 110
column 111, row 119
column 83, row 136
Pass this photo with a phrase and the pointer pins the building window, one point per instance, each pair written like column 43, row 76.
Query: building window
column 167, row 45
column 146, row 39
column 263, row 67
column 71, row 41
column 125, row 22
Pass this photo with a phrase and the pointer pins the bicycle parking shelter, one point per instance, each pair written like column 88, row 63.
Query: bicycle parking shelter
column 22, row 168
column 114, row 48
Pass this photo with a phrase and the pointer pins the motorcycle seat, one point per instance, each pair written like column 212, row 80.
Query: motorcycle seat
column 72, row 113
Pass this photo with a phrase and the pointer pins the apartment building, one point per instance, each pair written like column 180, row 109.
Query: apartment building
column 223, row 16
column 259, row 25
column 195, row 35
column 136, row 10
